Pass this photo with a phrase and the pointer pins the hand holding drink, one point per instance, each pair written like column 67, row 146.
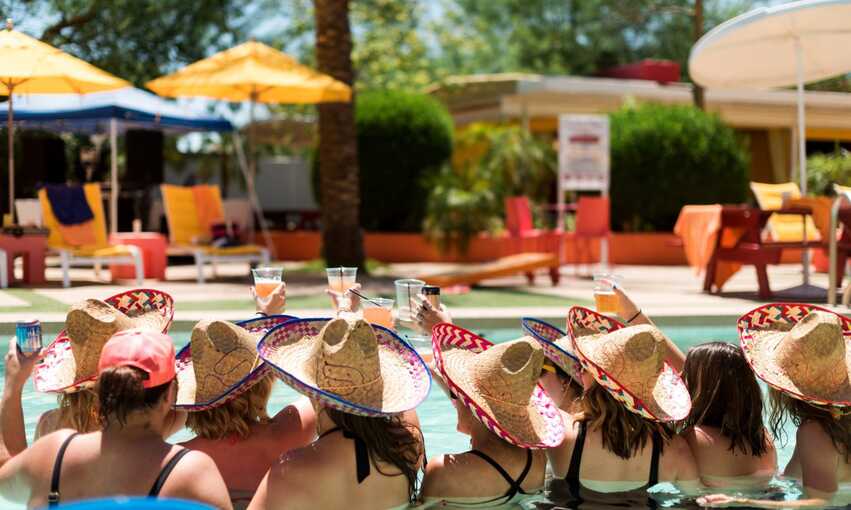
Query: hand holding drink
column 605, row 298
column 266, row 280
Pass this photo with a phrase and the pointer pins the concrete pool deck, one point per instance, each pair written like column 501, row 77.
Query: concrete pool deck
column 668, row 293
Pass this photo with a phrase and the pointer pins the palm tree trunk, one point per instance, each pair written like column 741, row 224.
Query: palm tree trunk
column 342, row 240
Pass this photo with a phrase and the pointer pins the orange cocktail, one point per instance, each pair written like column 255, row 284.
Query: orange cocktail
column 378, row 311
column 263, row 289
column 266, row 280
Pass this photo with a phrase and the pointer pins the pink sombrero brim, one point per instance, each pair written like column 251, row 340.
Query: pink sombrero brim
column 555, row 343
column 414, row 387
column 552, row 434
column 184, row 367
column 764, row 326
column 668, row 399
column 58, row 354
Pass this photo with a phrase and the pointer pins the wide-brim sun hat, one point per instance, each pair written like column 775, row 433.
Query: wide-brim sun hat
column 224, row 363
column 556, row 344
column 357, row 368
column 801, row 350
column 499, row 384
column 70, row 361
column 629, row 362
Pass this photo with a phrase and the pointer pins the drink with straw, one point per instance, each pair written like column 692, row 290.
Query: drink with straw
column 378, row 311
column 605, row 299
column 341, row 279
column 266, row 280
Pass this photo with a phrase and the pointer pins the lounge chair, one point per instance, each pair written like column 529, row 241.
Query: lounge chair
column 784, row 228
column 522, row 263
column 91, row 255
column 189, row 229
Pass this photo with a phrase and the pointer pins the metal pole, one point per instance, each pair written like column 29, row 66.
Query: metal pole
column 252, row 195
column 802, row 148
column 113, row 195
column 252, row 156
column 10, row 130
column 831, row 280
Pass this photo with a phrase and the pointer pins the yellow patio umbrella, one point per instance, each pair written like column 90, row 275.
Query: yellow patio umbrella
column 29, row 66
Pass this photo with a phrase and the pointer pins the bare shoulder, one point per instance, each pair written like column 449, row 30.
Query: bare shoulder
column 813, row 435
column 677, row 460
column 441, row 476
column 48, row 422
column 196, row 477
column 292, row 481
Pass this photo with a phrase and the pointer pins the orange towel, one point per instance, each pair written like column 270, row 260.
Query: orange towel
column 698, row 227
column 821, row 212
column 208, row 203
column 79, row 235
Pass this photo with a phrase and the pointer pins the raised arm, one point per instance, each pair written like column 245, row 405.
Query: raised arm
column 18, row 370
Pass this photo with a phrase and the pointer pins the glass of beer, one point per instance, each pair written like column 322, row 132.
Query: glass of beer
column 266, row 280
column 605, row 299
column 341, row 279
column 378, row 311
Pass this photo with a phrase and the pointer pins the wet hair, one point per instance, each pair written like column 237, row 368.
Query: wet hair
column 833, row 421
column 624, row 432
column 121, row 392
column 79, row 410
column 389, row 440
column 725, row 395
column 235, row 417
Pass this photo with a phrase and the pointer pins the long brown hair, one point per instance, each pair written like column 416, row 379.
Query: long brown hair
column 388, row 439
column 121, row 392
column 624, row 433
column 79, row 410
column 725, row 395
column 235, row 417
column 834, row 423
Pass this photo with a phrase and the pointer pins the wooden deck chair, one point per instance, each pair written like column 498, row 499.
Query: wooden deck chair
column 189, row 224
column 4, row 270
column 90, row 255
column 784, row 228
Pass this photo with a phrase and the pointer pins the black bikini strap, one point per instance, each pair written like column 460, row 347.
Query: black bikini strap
column 53, row 495
column 166, row 470
column 654, row 460
column 361, row 456
column 572, row 477
column 513, row 486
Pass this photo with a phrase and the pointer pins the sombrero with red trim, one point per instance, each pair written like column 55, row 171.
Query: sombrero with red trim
column 629, row 362
column 70, row 361
column 801, row 350
column 224, row 363
column 499, row 384
column 556, row 344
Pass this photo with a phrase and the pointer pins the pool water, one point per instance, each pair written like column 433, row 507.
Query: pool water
column 437, row 415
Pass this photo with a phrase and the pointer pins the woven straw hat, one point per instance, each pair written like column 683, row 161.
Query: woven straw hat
column 354, row 367
column 801, row 350
column 630, row 363
column 556, row 344
column 70, row 361
column 499, row 384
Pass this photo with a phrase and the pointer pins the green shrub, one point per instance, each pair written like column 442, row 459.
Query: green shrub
column 823, row 170
column 403, row 138
column 664, row 157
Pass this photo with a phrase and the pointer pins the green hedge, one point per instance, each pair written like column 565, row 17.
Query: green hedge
column 664, row 157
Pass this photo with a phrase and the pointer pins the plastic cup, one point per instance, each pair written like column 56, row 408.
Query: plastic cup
column 378, row 311
column 605, row 299
column 406, row 295
column 266, row 280
column 341, row 279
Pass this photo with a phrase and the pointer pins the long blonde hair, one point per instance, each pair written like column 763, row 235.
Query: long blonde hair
column 234, row 417
column 624, row 433
column 79, row 410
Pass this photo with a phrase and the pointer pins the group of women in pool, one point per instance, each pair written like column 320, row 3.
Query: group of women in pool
column 591, row 417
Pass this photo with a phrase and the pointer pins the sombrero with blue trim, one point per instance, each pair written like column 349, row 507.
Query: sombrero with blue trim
column 556, row 344
column 220, row 362
column 629, row 362
column 355, row 367
column 70, row 361
column 499, row 384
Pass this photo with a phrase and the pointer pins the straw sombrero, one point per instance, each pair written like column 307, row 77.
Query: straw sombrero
column 801, row 350
column 70, row 361
column 353, row 367
column 630, row 363
column 499, row 384
column 220, row 361
column 555, row 343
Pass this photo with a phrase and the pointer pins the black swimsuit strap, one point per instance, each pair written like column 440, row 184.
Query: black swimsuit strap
column 53, row 495
column 514, row 485
column 329, row 431
column 654, row 460
column 362, row 462
column 572, row 477
column 166, row 471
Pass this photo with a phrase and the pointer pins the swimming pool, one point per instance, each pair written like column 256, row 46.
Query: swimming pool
column 437, row 415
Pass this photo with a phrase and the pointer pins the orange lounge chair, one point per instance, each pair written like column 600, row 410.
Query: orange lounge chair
column 88, row 255
column 521, row 263
column 190, row 213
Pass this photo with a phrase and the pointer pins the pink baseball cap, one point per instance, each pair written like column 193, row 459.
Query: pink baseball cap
column 149, row 351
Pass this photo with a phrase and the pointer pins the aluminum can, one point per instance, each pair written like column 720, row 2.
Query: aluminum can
column 28, row 335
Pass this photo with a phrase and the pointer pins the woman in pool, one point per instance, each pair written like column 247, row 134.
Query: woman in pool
column 617, row 446
column 725, row 430
column 228, row 412
column 136, row 390
column 360, row 381
column 508, row 417
column 807, row 368
column 561, row 370
column 69, row 365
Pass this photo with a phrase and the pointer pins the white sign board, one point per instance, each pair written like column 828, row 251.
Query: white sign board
column 583, row 153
